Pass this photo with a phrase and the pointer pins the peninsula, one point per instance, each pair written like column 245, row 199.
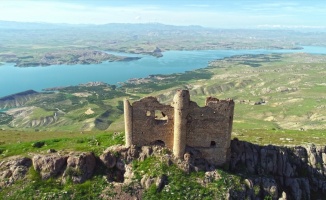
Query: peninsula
column 68, row 57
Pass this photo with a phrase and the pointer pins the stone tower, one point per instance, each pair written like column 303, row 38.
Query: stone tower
column 128, row 122
column 180, row 103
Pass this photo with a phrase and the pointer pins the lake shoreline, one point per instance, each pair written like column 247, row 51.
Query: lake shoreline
column 15, row 79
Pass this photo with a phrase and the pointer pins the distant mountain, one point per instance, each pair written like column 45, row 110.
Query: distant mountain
column 30, row 25
column 114, row 26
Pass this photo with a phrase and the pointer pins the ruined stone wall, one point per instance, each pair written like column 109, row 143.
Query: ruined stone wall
column 184, row 123
column 209, row 129
column 148, row 129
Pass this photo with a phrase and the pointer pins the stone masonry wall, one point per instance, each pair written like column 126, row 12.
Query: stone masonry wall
column 184, row 123
column 147, row 129
column 209, row 130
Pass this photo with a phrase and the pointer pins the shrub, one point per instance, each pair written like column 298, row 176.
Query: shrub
column 38, row 144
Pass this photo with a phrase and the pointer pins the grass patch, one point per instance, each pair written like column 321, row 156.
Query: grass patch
column 96, row 143
column 280, row 137
column 36, row 188
column 40, row 112
column 182, row 185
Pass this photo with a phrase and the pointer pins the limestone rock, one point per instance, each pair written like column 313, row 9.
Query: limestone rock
column 13, row 169
column 80, row 167
column 120, row 165
column 129, row 174
column 269, row 160
column 119, row 176
column 146, row 182
column 249, row 183
column 312, row 156
column 51, row 151
column 284, row 197
column 49, row 165
column 298, row 171
column 161, row 182
column 299, row 188
column 211, row 176
column 146, row 151
column 270, row 187
column 132, row 153
column 108, row 159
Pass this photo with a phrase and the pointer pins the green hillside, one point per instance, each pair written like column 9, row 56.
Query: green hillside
column 283, row 93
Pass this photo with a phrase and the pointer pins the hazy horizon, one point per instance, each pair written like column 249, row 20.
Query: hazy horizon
column 214, row 14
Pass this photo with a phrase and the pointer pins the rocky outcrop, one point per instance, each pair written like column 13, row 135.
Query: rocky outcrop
column 77, row 166
column 116, row 158
column 108, row 159
column 80, row 167
column 296, row 172
column 49, row 165
column 268, row 172
column 13, row 169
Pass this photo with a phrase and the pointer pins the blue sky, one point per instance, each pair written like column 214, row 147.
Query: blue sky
column 215, row 13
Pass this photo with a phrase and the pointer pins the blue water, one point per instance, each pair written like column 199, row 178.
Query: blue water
column 16, row 79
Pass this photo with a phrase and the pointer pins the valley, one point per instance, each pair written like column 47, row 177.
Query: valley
column 275, row 92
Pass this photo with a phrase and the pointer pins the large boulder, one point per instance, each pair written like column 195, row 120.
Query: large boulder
column 108, row 159
column 80, row 167
column 49, row 165
column 13, row 169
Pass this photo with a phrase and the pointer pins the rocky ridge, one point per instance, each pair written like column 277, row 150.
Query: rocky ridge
column 297, row 172
column 267, row 171
column 18, row 99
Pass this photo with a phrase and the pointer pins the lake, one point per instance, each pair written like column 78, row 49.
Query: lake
column 18, row 79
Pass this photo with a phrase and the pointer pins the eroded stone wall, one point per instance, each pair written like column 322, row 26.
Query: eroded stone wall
column 147, row 127
column 184, row 123
column 209, row 129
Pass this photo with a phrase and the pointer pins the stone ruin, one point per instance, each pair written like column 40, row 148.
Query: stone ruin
column 182, row 124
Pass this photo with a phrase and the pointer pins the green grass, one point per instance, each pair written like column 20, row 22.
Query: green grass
column 94, row 142
column 39, row 113
column 182, row 185
column 280, row 137
column 36, row 188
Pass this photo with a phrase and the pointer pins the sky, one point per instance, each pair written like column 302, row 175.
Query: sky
column 214, row 13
